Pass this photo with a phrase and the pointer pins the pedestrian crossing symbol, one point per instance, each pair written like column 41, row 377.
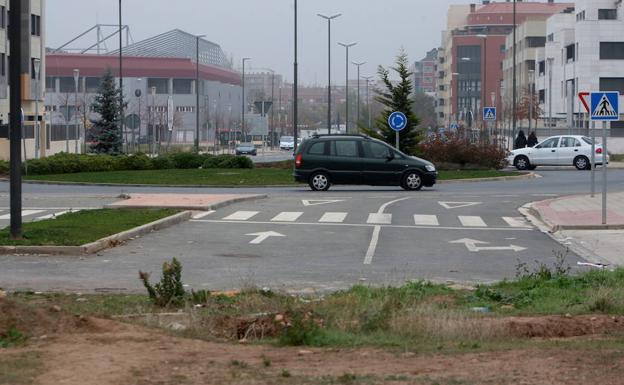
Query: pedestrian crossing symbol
column 605, row 106
column 489, row 113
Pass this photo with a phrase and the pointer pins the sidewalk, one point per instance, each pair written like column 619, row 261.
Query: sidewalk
column 198, row 202
column 576, row 222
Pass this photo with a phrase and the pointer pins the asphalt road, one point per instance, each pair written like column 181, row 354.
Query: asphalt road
column 302, row 240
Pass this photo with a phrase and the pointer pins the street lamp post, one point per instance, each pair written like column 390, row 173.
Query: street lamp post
column 76, row 80
column 550, row 80
column 153, row 118
column 197, row 91
column 515, row 80
column 531, row 80
column 121, row 96
column 357, row 116
column 37, row 67
column 368, row 103
column 329, row 19
column 347, row 46
column 295, row 118
column 244, row 104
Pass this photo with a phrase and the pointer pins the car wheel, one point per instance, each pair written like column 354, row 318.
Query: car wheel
column 582, row 163
column 412, row 181
column 532, row 167
column 522, row 163
column 319, row 181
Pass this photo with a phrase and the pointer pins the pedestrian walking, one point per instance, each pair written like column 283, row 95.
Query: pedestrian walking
column 532, row 140
column 521, row 140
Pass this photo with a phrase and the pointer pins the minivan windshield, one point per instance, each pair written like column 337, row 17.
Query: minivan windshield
column 287, row 139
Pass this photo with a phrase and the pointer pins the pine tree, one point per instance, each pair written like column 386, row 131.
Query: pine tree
column 106, row 132
column 396, row 97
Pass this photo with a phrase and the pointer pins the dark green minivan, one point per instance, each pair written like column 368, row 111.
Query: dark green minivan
column 325, row 160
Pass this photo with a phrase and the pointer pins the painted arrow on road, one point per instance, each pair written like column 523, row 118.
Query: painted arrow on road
column 471, row 245
column 261, row 237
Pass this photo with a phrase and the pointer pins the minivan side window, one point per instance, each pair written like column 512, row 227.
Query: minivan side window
column 375, row 150
column 345, row 148
column 317, row 148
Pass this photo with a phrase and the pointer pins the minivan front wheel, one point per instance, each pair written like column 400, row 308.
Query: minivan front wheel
column 412, row 181
column 319, row 181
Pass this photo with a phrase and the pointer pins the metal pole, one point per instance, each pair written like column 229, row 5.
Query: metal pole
column 515, row 80
column 368, row 103
column 295, row 85
column 357, row 107
column 397, row 141
column 593, row 160
column 15, row 131
column 550, row 75
column 604, row 172
column 347, row 46
column 197, row 94
column 272, row 109
column 121, row 96
column 76, row 81
column 329, row 124
column 37, row 126
column 243, row 104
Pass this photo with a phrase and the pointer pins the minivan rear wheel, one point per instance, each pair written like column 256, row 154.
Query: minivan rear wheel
column 412, row 181
column 319, row 181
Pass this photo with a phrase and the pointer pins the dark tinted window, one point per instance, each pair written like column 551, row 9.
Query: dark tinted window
column 612, row 50
column 375, row 150
column 612, row 84
column 347, row 148
column 607, row 14
column 317, row 148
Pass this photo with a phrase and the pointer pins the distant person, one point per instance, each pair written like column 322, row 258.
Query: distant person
column 521, row 140
column 532, row 140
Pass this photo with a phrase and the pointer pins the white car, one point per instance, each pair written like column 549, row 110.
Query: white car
column 563, row 150
column 287, row 143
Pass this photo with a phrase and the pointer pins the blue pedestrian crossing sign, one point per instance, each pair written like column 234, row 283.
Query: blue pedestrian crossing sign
column 489, row 114
column 605, row 106
column 397, row 121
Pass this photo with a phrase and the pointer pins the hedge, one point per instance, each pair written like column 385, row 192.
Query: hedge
column 64, row 163
column 454, row 149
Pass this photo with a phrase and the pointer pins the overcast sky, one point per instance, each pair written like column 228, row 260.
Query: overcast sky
column 263, row 30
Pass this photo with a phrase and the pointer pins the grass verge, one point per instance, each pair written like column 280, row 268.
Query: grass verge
column 219, row 177
column 69, row 229
column 20, row 368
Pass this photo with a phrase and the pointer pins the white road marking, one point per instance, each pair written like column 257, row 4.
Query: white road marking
column 379, row 219
column 370, row 253
column 471, row 245
column 241, row 216
column 333, row 218
column 203, row 214
column 318, row 202
column 471, row 221
column 516, row 221
column 25, row 213
column 53, row 215
column 458, row 205
column 385, row 205
column 261, row 237
column 362, row 225
column 287, row 216
column 426, row 220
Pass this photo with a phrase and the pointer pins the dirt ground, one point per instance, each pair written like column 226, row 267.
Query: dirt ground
column 85, row 351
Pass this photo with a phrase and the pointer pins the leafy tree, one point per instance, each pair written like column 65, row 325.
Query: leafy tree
column 396, row 97
column 424, row 108
column 106, row 132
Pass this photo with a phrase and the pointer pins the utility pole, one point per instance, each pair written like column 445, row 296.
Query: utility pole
column 19, row 12
column 197, row 92
column 368, row 103
column 295, row 119
column 329, row 20
column 244, row 103
column 347, row 46
column 121, row 95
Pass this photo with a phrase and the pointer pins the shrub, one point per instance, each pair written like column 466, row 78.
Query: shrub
column 162, row 162
column 302, row 330
column 228, row 161
column 138, row 161
column 454, row 149
column 169, row 291
column 186, row 160
column 4, row 167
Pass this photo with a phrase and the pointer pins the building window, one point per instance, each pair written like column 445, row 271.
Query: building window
column 502, row 48
column 611, row 50
column 542, row 96
column 3, row 64
column 536, row 41
column 35, row 25
column 50, row 84
column 182, row 86
column 580, row 16
column 542, row 67
column 92, row 84
column 612, row 84
column 570, row 53
column 67, row 84
column 185, row 109
column 161, row 84
column 551, row 37
column 607, row 14
column 3, row 17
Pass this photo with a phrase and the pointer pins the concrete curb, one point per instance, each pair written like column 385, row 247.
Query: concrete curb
column 101, row 244
column 214, row 206
column 530, row 175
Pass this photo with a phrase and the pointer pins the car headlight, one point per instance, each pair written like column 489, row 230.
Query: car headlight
column 430, row 167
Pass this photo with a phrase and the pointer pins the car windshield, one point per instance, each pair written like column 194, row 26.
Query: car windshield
column 287, row 139
column 246, row 145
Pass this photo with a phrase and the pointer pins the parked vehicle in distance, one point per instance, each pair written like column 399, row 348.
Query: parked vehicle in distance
column 562, row 150
column 246, row 149
column 326, row 160
column 287, row 143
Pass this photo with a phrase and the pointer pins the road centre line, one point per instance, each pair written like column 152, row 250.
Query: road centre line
column 364, row 225
column 370, row 253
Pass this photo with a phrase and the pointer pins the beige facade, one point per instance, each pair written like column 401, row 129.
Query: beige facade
column 30, row 95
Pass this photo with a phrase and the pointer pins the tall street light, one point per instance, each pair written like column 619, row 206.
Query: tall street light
column 196, row 92
column 121, row 96
column 244, row 104
column 329, row 19
column 37, row 68
column 515, row 80
column 531, row 81
column 550, row 85
column 368, row 103
column 357, row 115
column 347, row 46
column 295, row 119
column 76, row 80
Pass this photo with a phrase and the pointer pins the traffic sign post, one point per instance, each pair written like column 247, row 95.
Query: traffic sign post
column 397, row 121
column 489, row 114
column 604, row 107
